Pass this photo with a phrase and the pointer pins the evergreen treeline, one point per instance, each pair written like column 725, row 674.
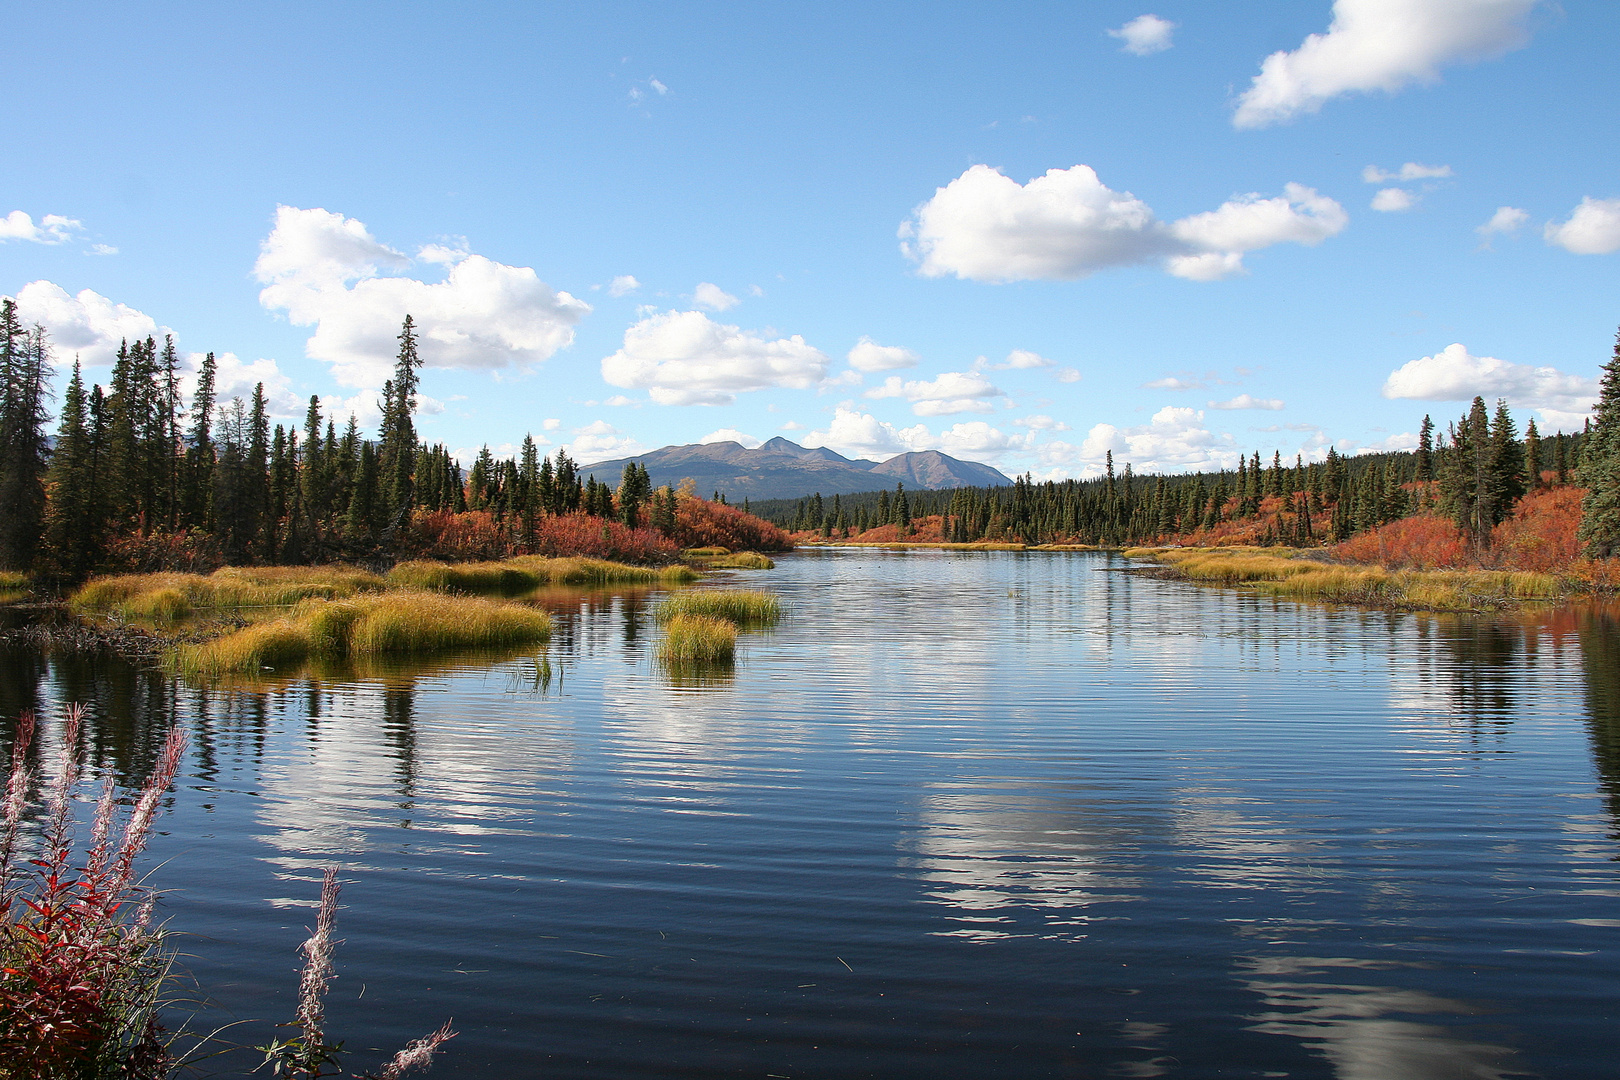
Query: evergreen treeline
column 139, row 479
column 1473, row 473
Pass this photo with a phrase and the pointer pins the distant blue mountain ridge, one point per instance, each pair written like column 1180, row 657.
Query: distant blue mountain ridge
column 781, row 469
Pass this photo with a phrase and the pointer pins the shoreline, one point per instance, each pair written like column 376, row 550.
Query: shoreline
column 1299, row 577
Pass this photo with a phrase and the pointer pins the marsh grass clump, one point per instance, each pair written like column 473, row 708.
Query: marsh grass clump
column 170, row 597
column 1294, row 578
column 742, row 560
column 406, row 622
column 704, row 552
column 13, row 586
column 512, row 577
column 740, row 607
column 698, row 639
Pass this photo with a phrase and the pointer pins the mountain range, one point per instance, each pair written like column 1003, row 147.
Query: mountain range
column 780, row 469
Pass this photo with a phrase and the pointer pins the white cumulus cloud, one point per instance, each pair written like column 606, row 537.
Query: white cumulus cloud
column 1380, row 45
column 623, row 285
column 1507, row 219
column 327, row 271
column 685, row 358
column 1017, row 360
column 1392, row 200
column 1412, row 170
column 1454, row 374
column 85, row 324
column 1247, row 401
column 1593, row 229
column 1145, row 35
column 731, row 434
column 713, row 297
column 868, row 355
column 862, row 435
column 51, row 229
column 601, row 441
column 1174, row 439
column 948, row 393
column 1067, row 224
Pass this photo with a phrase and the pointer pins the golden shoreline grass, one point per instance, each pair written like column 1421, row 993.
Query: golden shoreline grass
column 166, row 597
column 399, row 623
column 529, row 572
column 740, row 607
column 1289, row 577
column 698, row 639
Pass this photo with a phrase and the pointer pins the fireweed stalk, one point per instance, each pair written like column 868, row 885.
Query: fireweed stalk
column 306, row 1055
column 82, row 968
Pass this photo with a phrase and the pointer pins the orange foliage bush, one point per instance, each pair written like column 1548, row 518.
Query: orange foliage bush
column 600, row 538
column 182, row 552
column 1541, row 533
column 469, row 536
column 1421, row 542
column 701, row 523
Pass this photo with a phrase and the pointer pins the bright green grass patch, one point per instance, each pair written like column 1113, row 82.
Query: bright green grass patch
column 393, row 624
column 742, row 560
column 698, row 639
column 740, row 607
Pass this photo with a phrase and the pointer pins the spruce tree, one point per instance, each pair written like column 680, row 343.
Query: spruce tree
column 397, row 454
column 1599, row 470
column 197, row 509
column 72, row 533
column 24, row 371
column 1532, row 456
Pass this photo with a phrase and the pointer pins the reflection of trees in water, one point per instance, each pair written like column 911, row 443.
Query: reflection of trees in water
column 128, row 707
column 1600, row 663
column 1483, row 667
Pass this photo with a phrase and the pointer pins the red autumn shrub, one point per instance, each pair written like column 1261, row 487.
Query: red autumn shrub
column 1423, row 542
column 600, row 538
column 469, row 536
column 701, row 523
column 1541, row 533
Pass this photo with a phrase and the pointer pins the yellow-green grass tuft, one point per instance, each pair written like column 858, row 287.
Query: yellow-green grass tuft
column 1282, row 574
column 742, row 560
column 167, row 597
column 529, row 572
column 740, row 607
column 698, row 639
column 13, row 586
column 392, row 624
column 704, row 552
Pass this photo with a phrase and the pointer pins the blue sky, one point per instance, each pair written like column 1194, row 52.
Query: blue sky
column 1025, row 234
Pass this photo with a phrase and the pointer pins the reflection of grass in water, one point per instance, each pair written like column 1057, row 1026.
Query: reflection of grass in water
column 699, row 675
column 394, row 624
column 740, row 607
column 1306, row 579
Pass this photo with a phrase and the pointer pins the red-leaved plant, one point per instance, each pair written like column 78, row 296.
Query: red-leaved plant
column 83, row 969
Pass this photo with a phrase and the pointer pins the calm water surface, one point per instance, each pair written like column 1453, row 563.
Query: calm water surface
column 961, row 815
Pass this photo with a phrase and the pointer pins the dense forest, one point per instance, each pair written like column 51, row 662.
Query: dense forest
column 137, row 479
column 1356, row 494
column 1474, row 475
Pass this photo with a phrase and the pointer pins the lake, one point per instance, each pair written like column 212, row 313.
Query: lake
column 960, row 815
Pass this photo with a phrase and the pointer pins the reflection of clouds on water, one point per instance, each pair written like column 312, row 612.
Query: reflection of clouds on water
column 369, row 766
column 1354, row 1026
column 993, row 856
column 1237, row 849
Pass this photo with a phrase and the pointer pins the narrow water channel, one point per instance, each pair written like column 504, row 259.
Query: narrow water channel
column 959, row 815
